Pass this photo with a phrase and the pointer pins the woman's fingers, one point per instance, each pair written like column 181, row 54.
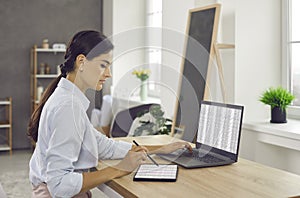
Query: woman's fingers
column 169, row 148
column 132, row 160
column 144, row 157
column 141, row 155
column 139, row 148
column 188, row 146
column 181, row 145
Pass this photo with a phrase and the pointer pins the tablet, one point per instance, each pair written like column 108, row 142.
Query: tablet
column 151, row 172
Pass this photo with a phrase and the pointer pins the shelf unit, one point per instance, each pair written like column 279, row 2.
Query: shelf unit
column 6, row 124
column 46, row 75
column 36, row 77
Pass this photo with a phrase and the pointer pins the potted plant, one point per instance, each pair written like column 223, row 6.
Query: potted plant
column 278, row 99
column 143, row 75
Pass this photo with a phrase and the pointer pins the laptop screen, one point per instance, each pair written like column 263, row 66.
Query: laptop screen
column 220, row 126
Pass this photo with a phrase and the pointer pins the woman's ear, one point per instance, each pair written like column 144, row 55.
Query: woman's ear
column 80, row 60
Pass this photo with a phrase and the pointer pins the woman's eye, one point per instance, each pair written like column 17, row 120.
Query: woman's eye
column 103, row 66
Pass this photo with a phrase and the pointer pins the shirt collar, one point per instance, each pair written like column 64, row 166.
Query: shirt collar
column 68, row 85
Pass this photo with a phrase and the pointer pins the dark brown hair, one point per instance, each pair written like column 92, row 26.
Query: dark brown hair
column 89, row 43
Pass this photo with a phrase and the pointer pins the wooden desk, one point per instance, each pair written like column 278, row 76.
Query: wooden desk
column 242, row 179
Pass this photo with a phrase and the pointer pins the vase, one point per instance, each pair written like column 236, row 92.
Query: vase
column 278, row 115
column 143, row 91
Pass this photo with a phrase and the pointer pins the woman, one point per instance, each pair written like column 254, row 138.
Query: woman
column 67, row 145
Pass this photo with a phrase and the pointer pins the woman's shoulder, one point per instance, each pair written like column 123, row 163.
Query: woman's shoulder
column 60, row 99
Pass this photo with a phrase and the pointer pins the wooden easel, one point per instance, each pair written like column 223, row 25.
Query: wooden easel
column 217, row 56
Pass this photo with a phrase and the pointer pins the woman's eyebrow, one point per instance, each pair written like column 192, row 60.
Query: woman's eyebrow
column 106, row 62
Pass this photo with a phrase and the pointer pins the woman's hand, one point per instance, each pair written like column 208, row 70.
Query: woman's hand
column 134, row 157
column 169, row 148
column 139, row 148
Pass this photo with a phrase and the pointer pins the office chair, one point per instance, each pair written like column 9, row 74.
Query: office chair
column 123, row 119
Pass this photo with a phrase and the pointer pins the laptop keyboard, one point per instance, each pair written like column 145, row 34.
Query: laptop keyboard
column 207, row 158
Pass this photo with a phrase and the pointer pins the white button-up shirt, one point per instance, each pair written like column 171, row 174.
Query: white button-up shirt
column 67, row 141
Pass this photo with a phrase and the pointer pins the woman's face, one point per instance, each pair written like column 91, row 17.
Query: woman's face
column 96, row 71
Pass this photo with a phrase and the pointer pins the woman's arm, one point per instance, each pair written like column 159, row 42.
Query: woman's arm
column 131, row 161
column 104, row 130
column 93, row 179
column 168, row 148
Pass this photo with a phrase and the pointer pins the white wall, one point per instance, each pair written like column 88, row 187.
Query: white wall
column 258, row 52
column 127, row 17
column 201, row 3
column 262, row 147
column 227, row 36
column 123, row 22
column 175, row 16
column 258, row 67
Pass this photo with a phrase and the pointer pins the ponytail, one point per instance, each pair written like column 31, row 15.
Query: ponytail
column 33, row 126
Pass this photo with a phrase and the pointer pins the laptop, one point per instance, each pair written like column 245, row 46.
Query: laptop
column 218, row 137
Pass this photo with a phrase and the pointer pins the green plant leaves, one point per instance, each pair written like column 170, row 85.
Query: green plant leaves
column 160, row 125
column 277, row 97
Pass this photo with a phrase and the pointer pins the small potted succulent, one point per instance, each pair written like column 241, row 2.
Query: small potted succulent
column 278, row 99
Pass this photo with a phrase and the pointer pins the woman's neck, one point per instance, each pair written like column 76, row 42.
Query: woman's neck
column 72, row 77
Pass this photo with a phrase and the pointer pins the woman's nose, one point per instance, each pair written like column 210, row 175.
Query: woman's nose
column 107, row 73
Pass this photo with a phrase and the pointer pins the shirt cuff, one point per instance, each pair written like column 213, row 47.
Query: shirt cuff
column 69, row 185
column 121, row 150
column 79, row 185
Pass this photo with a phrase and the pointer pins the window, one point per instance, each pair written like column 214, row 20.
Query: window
column 291, row 52
column 154, row 36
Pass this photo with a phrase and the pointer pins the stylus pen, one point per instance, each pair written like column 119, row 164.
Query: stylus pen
column 146, row 154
